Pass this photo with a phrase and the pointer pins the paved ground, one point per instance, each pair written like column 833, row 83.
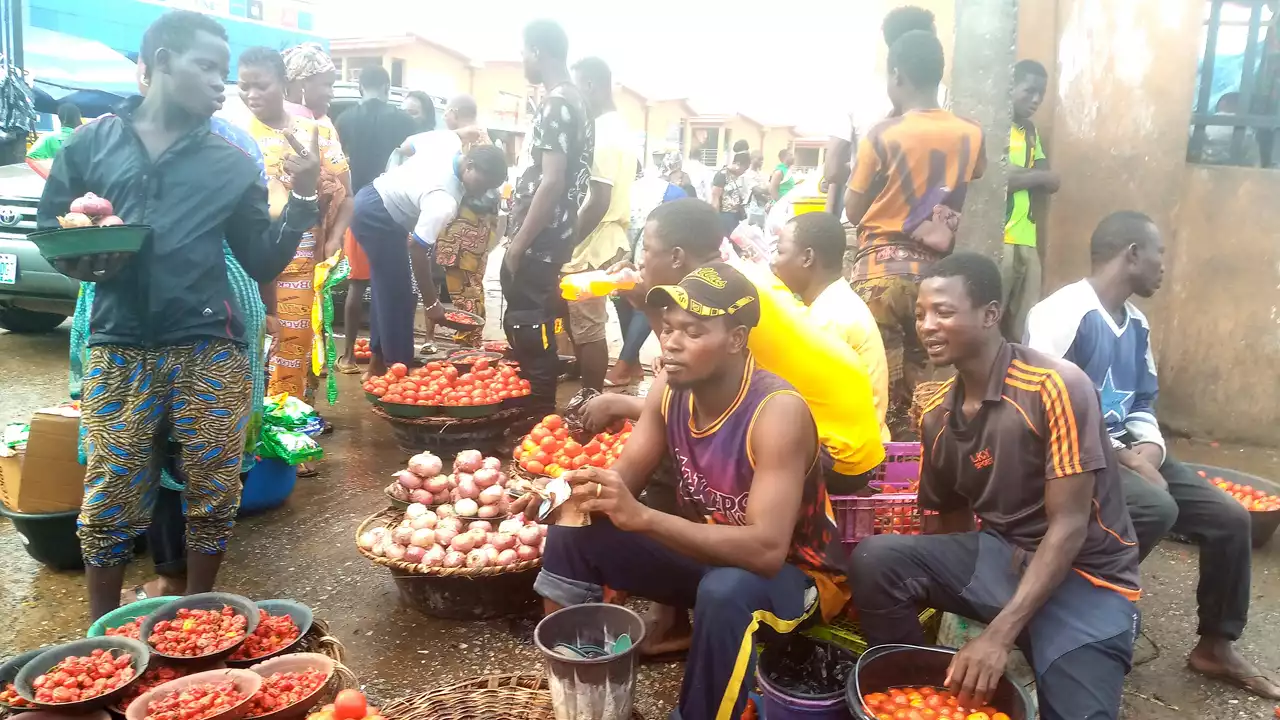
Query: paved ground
column 306, row 551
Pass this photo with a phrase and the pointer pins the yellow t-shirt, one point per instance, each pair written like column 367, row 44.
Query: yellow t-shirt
column 1019, row 227
column 614, row 164
column 275, row 147
column 839, row 311
column 823, row 368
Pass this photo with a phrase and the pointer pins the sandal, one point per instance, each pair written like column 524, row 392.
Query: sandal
column 139, row 593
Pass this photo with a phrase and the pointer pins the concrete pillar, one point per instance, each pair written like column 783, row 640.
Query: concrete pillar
column 981, row 86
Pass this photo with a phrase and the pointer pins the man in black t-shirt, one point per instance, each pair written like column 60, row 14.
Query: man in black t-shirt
column 369, row 133
column 1016, row 438
column 553, row 182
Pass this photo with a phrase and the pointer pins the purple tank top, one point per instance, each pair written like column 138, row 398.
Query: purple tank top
column 716, row 469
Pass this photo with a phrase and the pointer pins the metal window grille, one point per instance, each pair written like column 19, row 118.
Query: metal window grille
column 1237, row 104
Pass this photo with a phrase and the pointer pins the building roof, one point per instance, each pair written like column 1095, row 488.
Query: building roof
column 387, row 42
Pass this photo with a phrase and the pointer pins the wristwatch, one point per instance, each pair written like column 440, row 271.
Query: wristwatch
column 312, row 198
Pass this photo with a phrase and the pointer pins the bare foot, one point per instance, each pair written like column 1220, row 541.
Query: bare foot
column 668, row 633
column 159, row 587
column 1219, row 659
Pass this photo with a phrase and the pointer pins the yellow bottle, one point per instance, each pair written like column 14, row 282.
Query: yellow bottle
column 596, row 283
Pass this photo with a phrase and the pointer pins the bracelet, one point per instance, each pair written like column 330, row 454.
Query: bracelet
column 313, row 198
column 435, row 304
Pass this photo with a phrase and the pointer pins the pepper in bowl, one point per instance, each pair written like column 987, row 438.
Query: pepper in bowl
column 83, row 678
column 285, row 689
column 196, row 702
column 196, row 632
column 274, row 632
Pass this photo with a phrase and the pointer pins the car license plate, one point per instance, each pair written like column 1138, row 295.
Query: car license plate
column 8, row 269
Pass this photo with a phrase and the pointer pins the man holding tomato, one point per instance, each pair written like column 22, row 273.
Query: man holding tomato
column 762, row 549
column 1016, row 438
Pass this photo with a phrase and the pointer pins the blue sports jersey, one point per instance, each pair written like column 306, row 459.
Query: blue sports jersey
column 1073, row 324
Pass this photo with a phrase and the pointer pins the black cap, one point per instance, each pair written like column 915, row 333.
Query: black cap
column 713, row 290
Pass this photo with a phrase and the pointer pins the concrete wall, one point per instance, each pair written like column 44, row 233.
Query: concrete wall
column 664, row 119
column 431, row 68
column 776, row 140
column 500, row 91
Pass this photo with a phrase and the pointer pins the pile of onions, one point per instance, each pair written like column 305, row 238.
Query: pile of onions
column 427, row 539
column 477, row 487
column 415, row 482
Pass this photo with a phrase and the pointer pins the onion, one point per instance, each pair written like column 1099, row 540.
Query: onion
column 542, row 529
column 434, row 556
column 408, row 479
column 454, row 559
column 484, row 525
column 477, row 559
column 378, row 533
column 463, row 543
column 524, row 552
column 485, row 477
column 426, row 465
column 421, row 497
column 452, row 524
column 467, row 487
column 367, row 540
column 394, row 552
column 398, row 491
column 492, row 463
column 91, row 204
column 507, row 557
column 492, row 553
column 510, row 526
column 467, row 508
column 488, row 511
column 424, row 522
column 502, row 541
column 438, row 484
column 492, row 495
column 415, row 510
column 445, row 510
column 423, row 538
column 378, row 550
column 502, row 480
column 468, row 461
column 414, row 554
column 402, row 535
column 529, row 535
column 445, row 536
column 108, row 221
column 76, row 219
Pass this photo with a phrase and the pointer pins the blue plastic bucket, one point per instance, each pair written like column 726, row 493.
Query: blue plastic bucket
column 778, row 703
column 267, row 486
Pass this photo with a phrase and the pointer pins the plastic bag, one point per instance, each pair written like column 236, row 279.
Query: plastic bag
column 330, row 273
column 750, row 243
column 286, row 412
column 291, row 447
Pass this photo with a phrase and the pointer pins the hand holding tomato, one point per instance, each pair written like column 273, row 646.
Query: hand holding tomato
column 605, row 492
column 977, row 668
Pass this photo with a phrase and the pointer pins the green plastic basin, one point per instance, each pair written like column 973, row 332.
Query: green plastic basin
column 58, row 243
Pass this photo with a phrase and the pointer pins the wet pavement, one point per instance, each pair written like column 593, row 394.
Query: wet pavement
column 306, row 550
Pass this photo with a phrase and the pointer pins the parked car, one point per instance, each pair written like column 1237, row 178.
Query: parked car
column 33, row 296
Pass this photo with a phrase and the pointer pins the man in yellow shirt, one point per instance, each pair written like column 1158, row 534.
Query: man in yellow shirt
column 604, row 219
column 810, row 262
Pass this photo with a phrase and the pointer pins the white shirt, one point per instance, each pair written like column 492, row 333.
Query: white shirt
column 425, row 192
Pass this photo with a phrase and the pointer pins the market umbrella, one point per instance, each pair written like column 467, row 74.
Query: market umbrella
column 86, row 73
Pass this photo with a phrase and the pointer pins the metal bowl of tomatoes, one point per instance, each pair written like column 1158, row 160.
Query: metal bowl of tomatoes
column 232, row 690
column 887, row 671
column 208, row 632
column 9, row 697
column 281, row 631
column 291, row 686
column 83, row 675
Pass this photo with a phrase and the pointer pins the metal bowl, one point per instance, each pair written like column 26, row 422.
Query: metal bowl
column 301, row 616
column 45, row 661
column 202, row 601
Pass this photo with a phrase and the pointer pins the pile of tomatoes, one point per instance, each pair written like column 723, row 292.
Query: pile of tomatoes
column 924, row 703
column 439, row 384
column 283, row 689
column 196, row 702
column 83, row 678
column 274, row 632
column 9, row 696
column 549, row 449
column 362, row 349
column 194, row 633
column 131, row 629
column 152, row 678
column 1251, row 498
column 897, row 519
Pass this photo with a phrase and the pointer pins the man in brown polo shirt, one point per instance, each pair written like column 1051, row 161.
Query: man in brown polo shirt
column 1016, row 438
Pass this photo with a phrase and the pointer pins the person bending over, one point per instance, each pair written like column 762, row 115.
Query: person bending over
column 1092, row 324
column 750, row 467
column 1017, row 438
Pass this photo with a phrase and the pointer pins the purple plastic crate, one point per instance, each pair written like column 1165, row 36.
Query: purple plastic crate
column 888, row 513
column 901, row 466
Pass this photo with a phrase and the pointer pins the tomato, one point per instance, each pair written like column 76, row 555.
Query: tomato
column 350, row 705
column 554, row 470
column 548, row 443
column 535, row 467
column 399, row 370
column 580, row 462
column 572, row 449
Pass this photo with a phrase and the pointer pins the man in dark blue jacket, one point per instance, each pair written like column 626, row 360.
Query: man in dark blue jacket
column 167, row 361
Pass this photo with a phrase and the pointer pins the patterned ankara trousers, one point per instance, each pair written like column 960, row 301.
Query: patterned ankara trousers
column 137, row 402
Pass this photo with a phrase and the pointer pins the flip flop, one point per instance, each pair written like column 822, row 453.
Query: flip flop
column 348, row 369
column 139, row 593
column 1244, row 683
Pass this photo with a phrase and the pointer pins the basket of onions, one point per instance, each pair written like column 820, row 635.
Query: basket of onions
column 475, row 490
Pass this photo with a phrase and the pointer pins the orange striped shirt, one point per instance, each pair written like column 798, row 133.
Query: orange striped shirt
column 1040, row 420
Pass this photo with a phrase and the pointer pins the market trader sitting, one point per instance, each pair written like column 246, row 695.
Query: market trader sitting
column 1017, row 438
column 749, row 463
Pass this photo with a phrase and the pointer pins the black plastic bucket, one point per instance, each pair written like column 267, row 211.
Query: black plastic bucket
column 49, row 538
column 1262, row 524
column 597, row 688
column 890, row 666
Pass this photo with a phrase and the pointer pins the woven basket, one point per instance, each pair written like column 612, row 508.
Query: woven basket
column 391, row 516
column 516, row 696
column 447, row 435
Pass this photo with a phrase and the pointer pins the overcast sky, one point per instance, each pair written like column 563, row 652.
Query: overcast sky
column 758, row 60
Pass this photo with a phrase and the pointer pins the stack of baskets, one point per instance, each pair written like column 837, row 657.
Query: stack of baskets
column 520, row 696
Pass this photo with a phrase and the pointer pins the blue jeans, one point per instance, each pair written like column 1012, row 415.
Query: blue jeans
column 635, row 330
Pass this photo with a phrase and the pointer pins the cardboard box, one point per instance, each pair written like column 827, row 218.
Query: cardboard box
column 49, row 476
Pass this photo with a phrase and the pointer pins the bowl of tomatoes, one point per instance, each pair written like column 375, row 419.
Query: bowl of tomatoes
column 891, row 678
column 10, row 699
column 127, row 620
column 282, row 624
column 461, row 320
column 200, row 629
column 291, row 686
column 223, row 694
column 465, row 360
column 550, row 449
column 363, row 353
column 83, row 675
column 1259, row 496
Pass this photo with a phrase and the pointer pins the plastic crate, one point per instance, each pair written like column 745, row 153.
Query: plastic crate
column 886, row 514
column 900, row 469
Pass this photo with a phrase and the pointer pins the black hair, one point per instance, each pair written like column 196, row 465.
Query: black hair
column 783, row 152
column 69, row 115
column 596, row 70
column 548, row 38
column 979, row 272
column 741, row 146
column 465, row 106
column 1028, row 68
column 374, row 77
column 428, row 108
column 260, row 56
column 1117, row 232
column 175, row 30
column 691, row 224
column 902, row 20
column 489, row 160
column 742, row 157
column 823, row 232
column 917, row 56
